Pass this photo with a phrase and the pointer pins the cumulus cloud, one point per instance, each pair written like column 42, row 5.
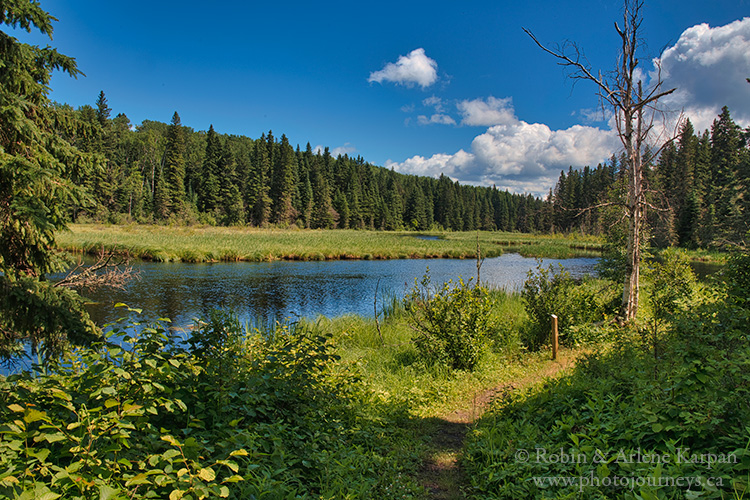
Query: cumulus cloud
column 515, row 155
column 709, row 67
column 486, row 112
column 434, row 102
column 414, row 68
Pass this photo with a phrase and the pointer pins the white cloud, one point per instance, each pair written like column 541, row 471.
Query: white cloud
column 492, row 111
column 709, row 67
column 437, row 118
column 434, row 102
column 516, row 155
column 415, row 68
column 434, row 165
column 347, row 148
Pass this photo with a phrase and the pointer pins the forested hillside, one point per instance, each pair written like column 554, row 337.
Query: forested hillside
column 156, row 172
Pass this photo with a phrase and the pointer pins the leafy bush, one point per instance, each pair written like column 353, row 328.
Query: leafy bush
column 245, row 417
column 452, row 323
column 686, row 405
column 737, row 278
column 553, row 291
column 671, row 287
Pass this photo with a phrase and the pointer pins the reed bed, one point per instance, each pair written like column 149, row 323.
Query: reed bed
column 214, row 244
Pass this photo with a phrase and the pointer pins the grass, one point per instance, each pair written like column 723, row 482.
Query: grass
column 212, row 244
column 441, row 404
column 391, row 367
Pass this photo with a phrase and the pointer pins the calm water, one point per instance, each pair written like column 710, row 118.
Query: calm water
column 290, row 290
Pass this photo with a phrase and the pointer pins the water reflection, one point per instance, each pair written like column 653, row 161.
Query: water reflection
column 289, row 290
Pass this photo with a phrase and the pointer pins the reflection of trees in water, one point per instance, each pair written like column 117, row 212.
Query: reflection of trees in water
column 287, row 291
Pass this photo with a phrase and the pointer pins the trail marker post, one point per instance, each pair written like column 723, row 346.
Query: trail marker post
column 554, row 336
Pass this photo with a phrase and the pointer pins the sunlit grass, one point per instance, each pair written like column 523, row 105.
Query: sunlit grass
column 390, row 366
column 211, row 244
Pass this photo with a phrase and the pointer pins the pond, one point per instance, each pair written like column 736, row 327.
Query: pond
column 290, row 290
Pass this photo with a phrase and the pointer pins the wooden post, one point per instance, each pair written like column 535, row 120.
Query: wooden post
column 554, row 336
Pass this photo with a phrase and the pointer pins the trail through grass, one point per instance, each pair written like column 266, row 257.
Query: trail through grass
column 441, row 475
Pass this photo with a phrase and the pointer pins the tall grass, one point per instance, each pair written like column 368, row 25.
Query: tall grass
column 390, row 365
column 210, row 244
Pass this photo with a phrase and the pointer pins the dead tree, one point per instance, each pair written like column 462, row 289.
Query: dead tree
column 622, row 91
column 107, row 272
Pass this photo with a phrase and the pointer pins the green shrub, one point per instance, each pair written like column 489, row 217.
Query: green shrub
column 230, row 414
column 689, row 403
column 576, row 304
column 452, row 323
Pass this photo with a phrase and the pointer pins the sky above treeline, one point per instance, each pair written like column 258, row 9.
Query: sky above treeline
column 423, row 87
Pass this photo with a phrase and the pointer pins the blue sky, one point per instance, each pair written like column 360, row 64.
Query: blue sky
column 422, row 87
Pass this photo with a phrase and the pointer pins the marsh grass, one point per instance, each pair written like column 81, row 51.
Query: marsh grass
column 212, row 244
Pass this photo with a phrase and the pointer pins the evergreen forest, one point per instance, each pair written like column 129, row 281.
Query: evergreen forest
column 157, row 172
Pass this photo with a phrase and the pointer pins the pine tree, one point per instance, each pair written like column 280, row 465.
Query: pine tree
column 324, row 216
column 35, row 164
column 230, row 198
column 258, row 199
column 416, row 211
column 726, row 143
column 283, row 189
column 174, row 167
column 102, row 109
column 209, row 182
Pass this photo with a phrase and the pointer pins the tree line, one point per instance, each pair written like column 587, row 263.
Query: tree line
column 698, row 184
column 698, row 189
column 157, row 172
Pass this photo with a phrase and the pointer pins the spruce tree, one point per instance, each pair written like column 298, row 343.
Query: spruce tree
column 726, row 143
column 102, row 109
column 174, row 167
column 35, row 162
column 284, row 184
column 209, row 182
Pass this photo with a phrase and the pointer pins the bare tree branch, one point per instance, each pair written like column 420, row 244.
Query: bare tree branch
column 106, row 272
column 626, row 96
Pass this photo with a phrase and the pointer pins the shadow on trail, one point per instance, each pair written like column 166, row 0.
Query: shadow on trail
column 440, row 474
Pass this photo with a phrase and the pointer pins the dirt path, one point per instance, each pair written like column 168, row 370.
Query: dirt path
column 441, row 475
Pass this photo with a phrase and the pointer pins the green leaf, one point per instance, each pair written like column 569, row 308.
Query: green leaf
column 35, row 416
column 657, row 427
column 169, row 454
column 207, row 474
column 234, row 479
column 171, row 440
column 138, row 479
column 107, row 492
column 176, row 494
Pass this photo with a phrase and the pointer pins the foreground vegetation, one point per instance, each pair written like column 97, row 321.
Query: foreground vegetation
column 660, row 411
column 208, row 244
column 344, row 407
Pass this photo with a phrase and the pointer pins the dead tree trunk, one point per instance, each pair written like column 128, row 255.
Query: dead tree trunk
column 623, row 93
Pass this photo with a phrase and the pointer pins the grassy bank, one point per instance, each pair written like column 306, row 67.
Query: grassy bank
column 210, row 244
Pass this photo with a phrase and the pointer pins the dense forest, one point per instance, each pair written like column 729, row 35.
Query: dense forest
column 159, row 172
column 698, row 189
